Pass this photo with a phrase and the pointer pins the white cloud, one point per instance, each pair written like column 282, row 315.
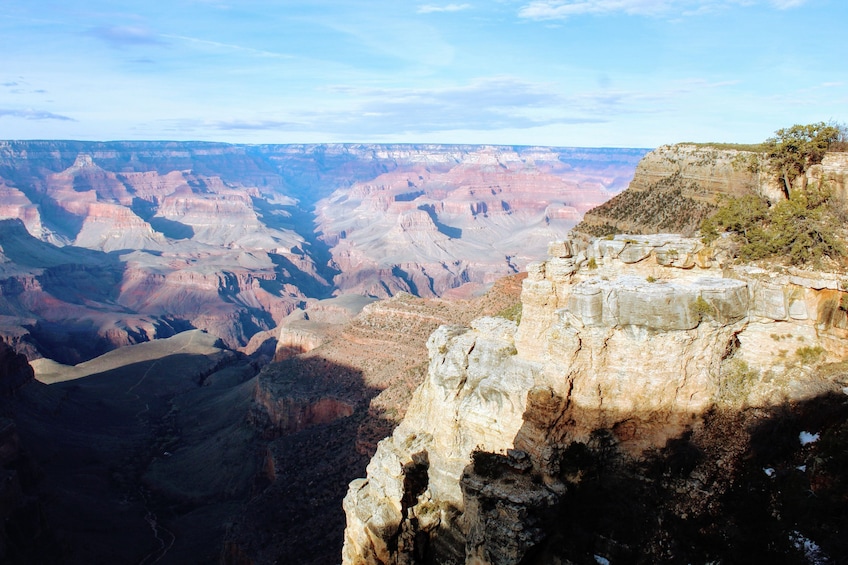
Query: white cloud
column 563, row 9
column 786, row 4
column 430, row 8
column 30, row 114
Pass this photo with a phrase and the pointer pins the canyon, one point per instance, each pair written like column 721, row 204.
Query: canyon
column 358, row 351
column 203, row 324
column 110, row 244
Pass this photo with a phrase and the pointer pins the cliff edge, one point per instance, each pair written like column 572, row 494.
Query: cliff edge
column 625, row 344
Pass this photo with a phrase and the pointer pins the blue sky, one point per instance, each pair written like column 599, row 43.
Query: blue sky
column 622, row 73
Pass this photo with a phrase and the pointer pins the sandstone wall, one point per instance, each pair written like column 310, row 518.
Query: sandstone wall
column 708, row 170
column 635, row 334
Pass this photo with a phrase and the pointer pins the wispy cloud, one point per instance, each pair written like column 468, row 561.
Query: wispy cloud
column 30, row 114
column 229, row 47
column 254, row 125
column 483, row 105
column 564, row 9
column 431, row 8
column 786, row 4
column 124, row 36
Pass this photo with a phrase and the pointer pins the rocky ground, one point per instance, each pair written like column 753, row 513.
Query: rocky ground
column 173, row 451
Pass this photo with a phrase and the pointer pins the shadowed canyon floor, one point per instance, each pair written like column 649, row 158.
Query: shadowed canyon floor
column 173, row 451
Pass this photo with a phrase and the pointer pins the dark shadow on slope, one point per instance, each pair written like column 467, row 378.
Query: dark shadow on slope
column 171, row 228
column 313, row 410
column 289, row 273
column 27, row 251
column 736, row 487
column 302, row 222
column 159, row 443
column 452, row 232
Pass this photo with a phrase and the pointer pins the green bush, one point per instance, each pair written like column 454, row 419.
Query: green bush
column 803, row 229
column 792, row 150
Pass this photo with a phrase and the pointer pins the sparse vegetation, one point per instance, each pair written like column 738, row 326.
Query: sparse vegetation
column 702, row 308
column 754, row 147
column 803, row 229
column 592, row 264
column 512, row 313
column 737, row 379
column 664, row 207
column 809, row 355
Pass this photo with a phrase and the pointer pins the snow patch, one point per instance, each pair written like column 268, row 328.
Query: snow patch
column 807, row 437
column 811, row 549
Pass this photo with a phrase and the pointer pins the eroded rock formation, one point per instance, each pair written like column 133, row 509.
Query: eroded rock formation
column 231, row 239
column 640, row 336
column 676, row 186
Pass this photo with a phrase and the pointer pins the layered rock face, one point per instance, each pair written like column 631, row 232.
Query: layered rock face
column 445, row 218
column 231, row 239
column 636, row 335
column 676, row 186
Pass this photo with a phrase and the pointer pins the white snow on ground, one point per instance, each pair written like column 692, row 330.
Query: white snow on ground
column 807, row 437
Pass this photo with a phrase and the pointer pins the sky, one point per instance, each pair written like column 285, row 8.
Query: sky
column 590, row 73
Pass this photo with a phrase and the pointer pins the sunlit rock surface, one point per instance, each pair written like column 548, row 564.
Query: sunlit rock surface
column 640, row 335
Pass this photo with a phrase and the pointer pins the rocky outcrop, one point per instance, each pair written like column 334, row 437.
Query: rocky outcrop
column 279, row 413
column 640, row 336
column 15, row 371
column 676, row 186
column 372, row 357
column 707, row 171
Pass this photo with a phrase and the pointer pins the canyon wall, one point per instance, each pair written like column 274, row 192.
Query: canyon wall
column 676, row 186
column 158, row 237
column 639, row 335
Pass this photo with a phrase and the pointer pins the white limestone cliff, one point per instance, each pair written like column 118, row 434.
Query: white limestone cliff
column 639, row 335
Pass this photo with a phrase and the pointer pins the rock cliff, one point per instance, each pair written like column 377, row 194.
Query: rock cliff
column 322, row 412
column 637, row 336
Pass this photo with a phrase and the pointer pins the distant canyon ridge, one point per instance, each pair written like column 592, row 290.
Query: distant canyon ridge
column 108, row 244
